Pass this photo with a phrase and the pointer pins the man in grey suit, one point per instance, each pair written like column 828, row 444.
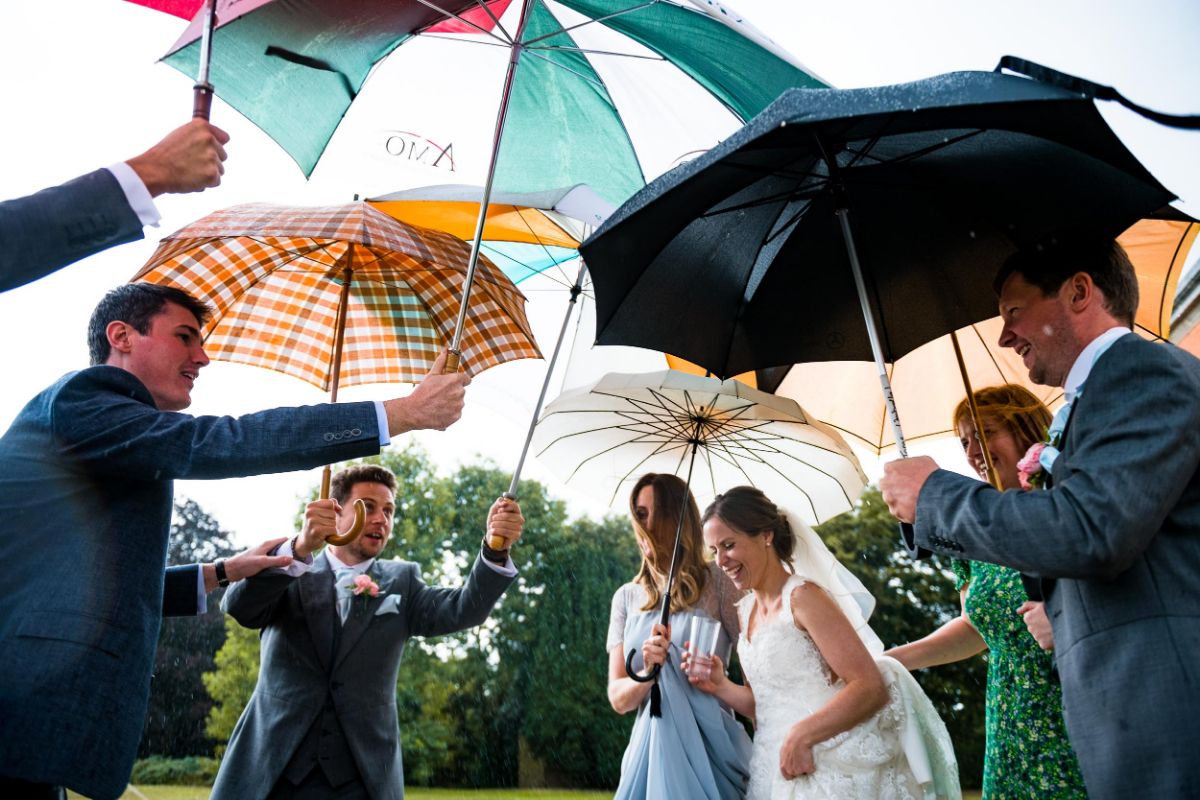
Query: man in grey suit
column 86, row 476
column 322, row 721
column 58, row 226
column 1118, row 525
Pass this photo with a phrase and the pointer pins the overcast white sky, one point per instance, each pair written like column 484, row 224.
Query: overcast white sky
column 81, row 89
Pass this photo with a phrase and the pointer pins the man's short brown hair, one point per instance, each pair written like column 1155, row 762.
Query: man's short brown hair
column 1049, row 266
column 343, row 481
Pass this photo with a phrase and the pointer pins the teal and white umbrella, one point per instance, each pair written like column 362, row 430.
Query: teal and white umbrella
column 610, row 93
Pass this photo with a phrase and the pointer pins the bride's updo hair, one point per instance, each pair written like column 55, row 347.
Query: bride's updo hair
column 751, row 512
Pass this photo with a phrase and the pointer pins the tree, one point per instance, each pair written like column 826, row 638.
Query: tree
column 231, row 681
column 186, row 646
column 912, row 599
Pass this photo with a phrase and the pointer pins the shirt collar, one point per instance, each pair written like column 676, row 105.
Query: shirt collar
column 336, row 563
column 1087, row 359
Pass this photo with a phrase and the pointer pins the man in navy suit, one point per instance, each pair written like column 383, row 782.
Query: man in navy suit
column 1118, row 525
column 55, row 227
column 86, row 476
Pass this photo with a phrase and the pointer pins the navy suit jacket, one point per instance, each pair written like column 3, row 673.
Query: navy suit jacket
column 1120, row 529
column 180, row 591
column 58, row 226
column 86, row 476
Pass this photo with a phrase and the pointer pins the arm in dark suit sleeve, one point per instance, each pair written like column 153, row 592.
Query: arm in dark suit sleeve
column 435, row 610
column 1133, row 447
column 252, row 602
column 60, row 225
column 105, row 421
column 180, row 597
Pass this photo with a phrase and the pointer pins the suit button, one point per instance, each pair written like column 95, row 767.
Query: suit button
column 329, row 437
column 356, row 431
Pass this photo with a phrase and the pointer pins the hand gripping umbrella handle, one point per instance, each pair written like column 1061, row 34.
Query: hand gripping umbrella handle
column 360, row 515
column 657, row 668
column 499, row 542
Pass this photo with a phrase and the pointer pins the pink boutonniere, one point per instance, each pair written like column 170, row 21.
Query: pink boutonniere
column 1029, row 468
column 365, row 588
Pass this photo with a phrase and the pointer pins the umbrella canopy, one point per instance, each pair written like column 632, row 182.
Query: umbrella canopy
column 931, row 184
column 276, row 276
column 927, row 384
column 605, row 93
column 602, row 437
column 525, row 233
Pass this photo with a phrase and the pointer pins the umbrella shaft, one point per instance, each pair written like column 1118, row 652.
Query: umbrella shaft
column 843, row 215
column 497, row 135
column 537, row 409
column 687, row 491
column 206, row 33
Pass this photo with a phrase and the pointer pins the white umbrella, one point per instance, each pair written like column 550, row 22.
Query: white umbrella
column 601, row 437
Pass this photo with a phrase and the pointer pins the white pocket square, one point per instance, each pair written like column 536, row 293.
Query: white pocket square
column 390, row 605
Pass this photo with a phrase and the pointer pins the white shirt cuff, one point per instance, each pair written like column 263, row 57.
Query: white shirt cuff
column 298, row 567
column 508, row 569
column 201, row 595
column 381, row 416
column 136, row 193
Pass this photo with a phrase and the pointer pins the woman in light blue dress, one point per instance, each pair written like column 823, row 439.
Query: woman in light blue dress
column 696, row 749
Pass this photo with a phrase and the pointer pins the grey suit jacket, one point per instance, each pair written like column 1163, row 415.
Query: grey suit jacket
column 60, row 225
column 85, row 497
column 1120, row 529
column 301, row 670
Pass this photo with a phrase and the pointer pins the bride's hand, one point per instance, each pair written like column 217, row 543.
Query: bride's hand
column 654, row 649
column 709, row 683
column 796, row 756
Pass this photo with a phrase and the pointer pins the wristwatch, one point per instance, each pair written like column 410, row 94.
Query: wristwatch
column 219, row 568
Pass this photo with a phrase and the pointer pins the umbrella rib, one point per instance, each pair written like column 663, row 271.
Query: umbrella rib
column 924, row 151
column 589, row 51
column 468, row 22
column 776, row 451
column 592, row 21
column 470, row 42
column 575, row 72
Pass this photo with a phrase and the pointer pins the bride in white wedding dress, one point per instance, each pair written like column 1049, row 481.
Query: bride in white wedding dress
column 833, row 718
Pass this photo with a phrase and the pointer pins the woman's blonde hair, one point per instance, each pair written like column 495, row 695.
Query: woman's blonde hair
column 1014, row 406
column 671, row 495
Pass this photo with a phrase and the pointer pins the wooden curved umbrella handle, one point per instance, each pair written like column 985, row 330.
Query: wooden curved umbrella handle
column 499, row 542
column 360, row 514
column 355, row 529
column 453, row 360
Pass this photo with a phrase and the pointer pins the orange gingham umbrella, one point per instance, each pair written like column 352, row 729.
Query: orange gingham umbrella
column 339, row 295
column 275, row 277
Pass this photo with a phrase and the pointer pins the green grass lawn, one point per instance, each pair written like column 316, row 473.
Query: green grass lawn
column 201, row 793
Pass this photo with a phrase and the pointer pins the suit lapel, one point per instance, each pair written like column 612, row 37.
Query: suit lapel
column 318, row 601
column 360, row 617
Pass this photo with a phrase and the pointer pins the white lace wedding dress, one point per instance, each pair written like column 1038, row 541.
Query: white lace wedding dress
column 903, row 752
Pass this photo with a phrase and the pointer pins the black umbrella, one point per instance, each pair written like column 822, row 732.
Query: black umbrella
column 744, row 258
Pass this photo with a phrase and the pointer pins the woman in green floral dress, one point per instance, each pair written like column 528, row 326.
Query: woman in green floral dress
column 1028, row 754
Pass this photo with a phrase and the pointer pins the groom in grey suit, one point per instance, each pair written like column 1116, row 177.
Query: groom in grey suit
column 322, row 721
column 1118, row 525
column 86, row 480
